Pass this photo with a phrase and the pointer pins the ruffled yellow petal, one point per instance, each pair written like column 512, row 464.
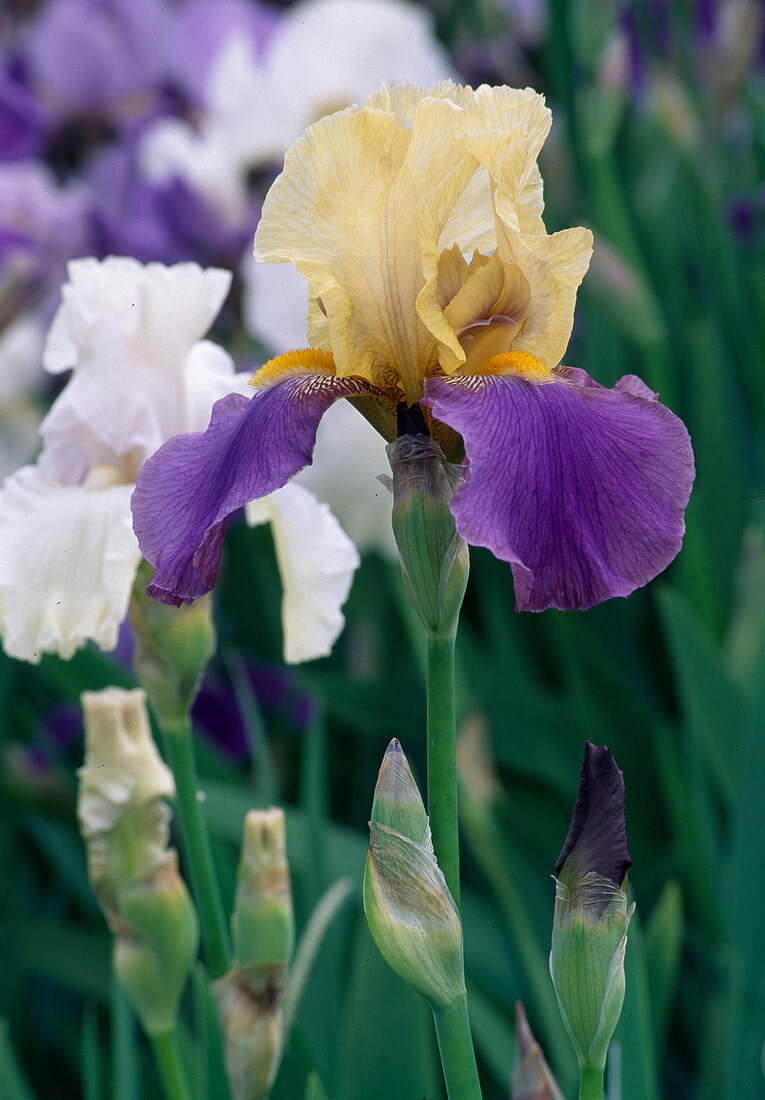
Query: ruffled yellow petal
column 453, row 270
column 344, row 212
column 554, row 267
column 489, row 290
column 505, row 128
column 379, row 207
column 404, row 99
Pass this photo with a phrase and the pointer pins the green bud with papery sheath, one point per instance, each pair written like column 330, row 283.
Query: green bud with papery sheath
column 172, row 648
column 434, row 559
column 591, row 914
column 409, row 909
column 156, row 942
column 124, row 821
column 262, row 925
column 250, row 996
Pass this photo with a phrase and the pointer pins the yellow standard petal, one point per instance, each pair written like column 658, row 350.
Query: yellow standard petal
column 417, row 221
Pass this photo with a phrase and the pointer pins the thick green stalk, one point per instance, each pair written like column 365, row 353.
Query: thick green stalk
column 170, row 1066
column 442, row 760
column 590, row 1083
column 455, row 1046
column 196, row 841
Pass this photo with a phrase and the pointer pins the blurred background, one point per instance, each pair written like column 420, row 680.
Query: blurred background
column 153, row 128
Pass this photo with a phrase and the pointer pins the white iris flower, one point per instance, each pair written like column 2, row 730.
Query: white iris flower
column 131, row 334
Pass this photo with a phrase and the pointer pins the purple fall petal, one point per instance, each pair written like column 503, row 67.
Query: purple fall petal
column 186, row 491
column 581, row 488
column 597, row 836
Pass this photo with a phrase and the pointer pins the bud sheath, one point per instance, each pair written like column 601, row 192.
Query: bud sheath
column 250, row 996
column 410, row 912
column 124, row 822
column 434, row 559
column 591, row 915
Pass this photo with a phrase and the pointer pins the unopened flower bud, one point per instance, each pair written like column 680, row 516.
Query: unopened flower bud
column 123, row 786
column 124, row 822
column 434, row 559
column 262, row 924
column 249, row 997
column 156, row 941
column 532, row 1079
column 409, row 909
column 172, row 648
column 591, row 915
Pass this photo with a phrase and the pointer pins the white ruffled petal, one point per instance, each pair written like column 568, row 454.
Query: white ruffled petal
column 316, row 560
column 68, row 558
column 115, row 302
column 130, row 332
column 209, row 376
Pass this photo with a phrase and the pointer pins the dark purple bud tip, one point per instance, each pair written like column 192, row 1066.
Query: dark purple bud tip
column 394, row 745
column 597, row 837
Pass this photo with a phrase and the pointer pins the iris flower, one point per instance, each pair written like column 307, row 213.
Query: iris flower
column 417, row 221
column 140, row 373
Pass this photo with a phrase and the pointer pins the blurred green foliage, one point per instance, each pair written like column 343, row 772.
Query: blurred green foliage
column 659, row 146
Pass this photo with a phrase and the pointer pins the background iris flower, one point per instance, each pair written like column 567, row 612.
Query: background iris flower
column 581, row 488
column 68, row 556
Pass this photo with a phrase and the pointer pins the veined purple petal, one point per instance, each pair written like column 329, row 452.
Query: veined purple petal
column 186, row 491
column 581, row 488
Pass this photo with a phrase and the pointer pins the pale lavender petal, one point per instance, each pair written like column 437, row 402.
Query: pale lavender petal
column 194, row 482
column 581, row 488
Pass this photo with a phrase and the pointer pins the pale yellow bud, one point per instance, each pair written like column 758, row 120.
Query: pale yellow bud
column 123, row 783
column 124, row 822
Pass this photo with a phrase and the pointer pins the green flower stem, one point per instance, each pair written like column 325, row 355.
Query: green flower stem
column 455, row 1046
column 452, row 1025
column 170, row 1066
column 442, row 760
column 196, row 840
column 455, row 1043
column 590, row 1083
